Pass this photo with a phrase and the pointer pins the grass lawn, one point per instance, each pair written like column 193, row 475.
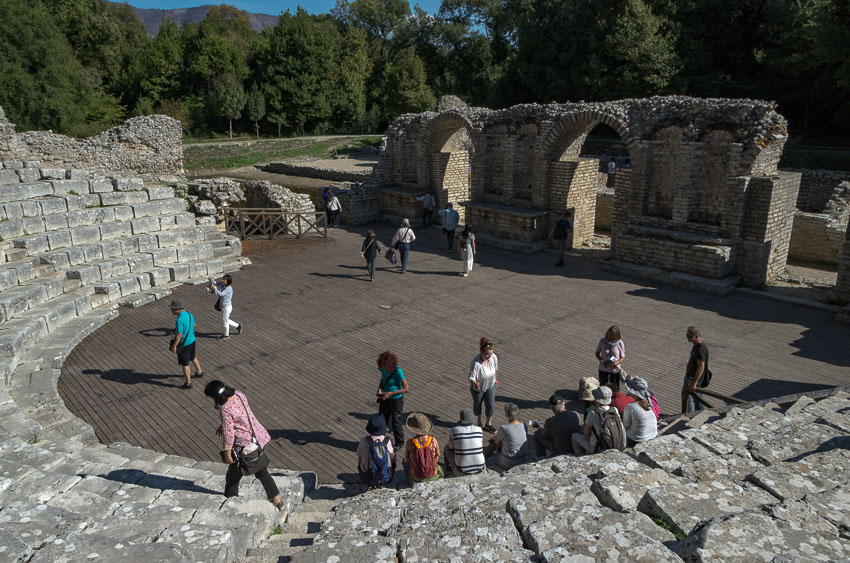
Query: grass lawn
column 251, row 152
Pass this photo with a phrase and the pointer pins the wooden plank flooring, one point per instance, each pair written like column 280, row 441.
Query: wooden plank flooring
column 314, row 326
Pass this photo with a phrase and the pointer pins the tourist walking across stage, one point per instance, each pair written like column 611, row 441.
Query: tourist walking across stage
column 482, row 379
column 561, row 231
column 450, row 218
column 334, row 208
column 241, row 434
column 427, row 208
column 391, row 394
column 697, row 366
column 401, row 240
column 610, row 352
column 370, row 250
column 224, row 291
column 466, row 249
column 183, row 343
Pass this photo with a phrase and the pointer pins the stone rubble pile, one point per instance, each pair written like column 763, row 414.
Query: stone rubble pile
column 755, row 484
column 262, row 193
column 150, row 144
column 222, row 192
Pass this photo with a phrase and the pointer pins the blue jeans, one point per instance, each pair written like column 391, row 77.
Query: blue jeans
column 689, row 402
column 404, row 250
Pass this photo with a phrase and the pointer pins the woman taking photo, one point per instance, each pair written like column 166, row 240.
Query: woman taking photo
column 610, row 352
column 466, row 249
column 483, row 382
column 391, row 395
column 238, row 428
column 224, row 291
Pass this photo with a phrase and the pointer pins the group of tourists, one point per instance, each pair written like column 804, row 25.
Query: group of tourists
column 618, row 410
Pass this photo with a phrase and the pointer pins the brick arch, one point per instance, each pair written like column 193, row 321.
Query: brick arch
column 439, row 130
column 572, row 127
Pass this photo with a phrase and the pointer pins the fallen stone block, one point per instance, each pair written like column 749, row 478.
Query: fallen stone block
column 757, row 536
column 366, row 550
column 684, row 505
column 92, row 547
column 592, row 531
column 816, row 473
column 669, row 452
column 201, row 543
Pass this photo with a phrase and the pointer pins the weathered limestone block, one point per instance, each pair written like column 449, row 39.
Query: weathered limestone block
column 598, row 532
column 685, row 505
column 669, row 452
column 833, row 506
column 356, row 519
column 623, row 490
column 715, row 439
column 201, row 543
column 100, row 185
column 792, row 440
column 758, row 536
column 735, row 466
column 12, row 548
column 35, row 524
column 205, row 207
column 816, row 473
column 128, row 184
column 245, row 528
column 166, row 515
column 93, row 547
column 359, row 550
column 73, row 187
column 83, row 502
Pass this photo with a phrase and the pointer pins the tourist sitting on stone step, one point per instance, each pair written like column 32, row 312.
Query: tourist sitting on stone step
column 619, row 400
column 464, row 454
column 375, row 454
column 554, row 437
column 639, row 418
column 585, row 442
column 586, row 385
column 511, row 440
column 422, row 452
column 240, row 433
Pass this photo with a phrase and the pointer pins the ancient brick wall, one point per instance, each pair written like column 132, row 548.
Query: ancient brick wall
column 817, row 187
column 816, row 237
column 842, row 283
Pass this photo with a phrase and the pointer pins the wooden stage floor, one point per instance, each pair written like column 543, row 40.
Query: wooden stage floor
column 314, row 326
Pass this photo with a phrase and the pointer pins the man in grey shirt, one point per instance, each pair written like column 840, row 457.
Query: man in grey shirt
column 511, row 440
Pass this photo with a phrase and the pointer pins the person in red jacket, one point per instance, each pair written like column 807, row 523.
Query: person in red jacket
column 618, row 400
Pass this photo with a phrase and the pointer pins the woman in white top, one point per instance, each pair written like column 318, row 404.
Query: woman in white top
column 334, row 209
column 638, row 418
column 403, row 236
column 483, row 382
column 224, row 291
column 466, row 249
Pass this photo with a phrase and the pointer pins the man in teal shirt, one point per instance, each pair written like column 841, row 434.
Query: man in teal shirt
column 184, row 342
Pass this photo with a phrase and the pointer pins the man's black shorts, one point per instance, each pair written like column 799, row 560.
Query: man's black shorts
column 185, row 354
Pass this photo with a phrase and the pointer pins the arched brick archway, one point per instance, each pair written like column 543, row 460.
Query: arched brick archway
column 568, row 181
column 448, row 145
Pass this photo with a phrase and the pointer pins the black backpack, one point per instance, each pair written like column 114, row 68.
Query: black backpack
column 613, row 432
column 379, row 463
column 705, row 380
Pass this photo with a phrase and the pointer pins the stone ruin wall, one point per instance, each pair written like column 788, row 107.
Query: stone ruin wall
column 693, row 162
column 151, row 144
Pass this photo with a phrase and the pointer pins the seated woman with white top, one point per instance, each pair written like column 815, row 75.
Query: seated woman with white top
column 638, row 418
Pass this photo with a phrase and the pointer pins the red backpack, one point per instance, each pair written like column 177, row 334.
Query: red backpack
column 424, row 464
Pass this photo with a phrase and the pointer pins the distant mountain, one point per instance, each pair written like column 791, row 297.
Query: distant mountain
column 153, row 18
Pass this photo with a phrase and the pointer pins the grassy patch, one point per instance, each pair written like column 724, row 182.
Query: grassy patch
column 276, row 531
column 666, row 525
column 248, row 153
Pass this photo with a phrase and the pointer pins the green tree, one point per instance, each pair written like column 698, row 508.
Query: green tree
column 219, row 45
column 256, row 107
column 405, row 86
column 228, row 98
column 354, row 69
column 294, row 62
column 42, row 84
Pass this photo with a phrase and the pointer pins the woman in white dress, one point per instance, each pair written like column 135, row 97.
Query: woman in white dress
column 466, row 249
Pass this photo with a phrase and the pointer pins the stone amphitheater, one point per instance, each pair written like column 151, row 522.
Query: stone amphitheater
column 83, row 235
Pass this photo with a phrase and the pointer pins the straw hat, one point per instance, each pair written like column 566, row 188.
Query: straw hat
column 418, row 423
column 586, row 385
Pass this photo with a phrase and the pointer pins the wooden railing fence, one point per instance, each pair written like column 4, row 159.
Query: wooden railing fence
column 256, row 222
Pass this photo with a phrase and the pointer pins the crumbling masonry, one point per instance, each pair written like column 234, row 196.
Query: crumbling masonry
column 702, row 204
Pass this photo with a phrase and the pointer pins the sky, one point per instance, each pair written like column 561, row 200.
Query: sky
column 273, row 7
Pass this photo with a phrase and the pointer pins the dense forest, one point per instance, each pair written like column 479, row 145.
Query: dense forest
column 80, row 66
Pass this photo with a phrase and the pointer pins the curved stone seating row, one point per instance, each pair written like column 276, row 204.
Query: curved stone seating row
column 757, row 484
column 73, row 248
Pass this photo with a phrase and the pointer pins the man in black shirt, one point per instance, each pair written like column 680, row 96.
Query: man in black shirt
column 697, row 364
column 555, row 437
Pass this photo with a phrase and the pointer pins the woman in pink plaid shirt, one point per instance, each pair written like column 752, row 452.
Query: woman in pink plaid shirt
column 235, row 431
